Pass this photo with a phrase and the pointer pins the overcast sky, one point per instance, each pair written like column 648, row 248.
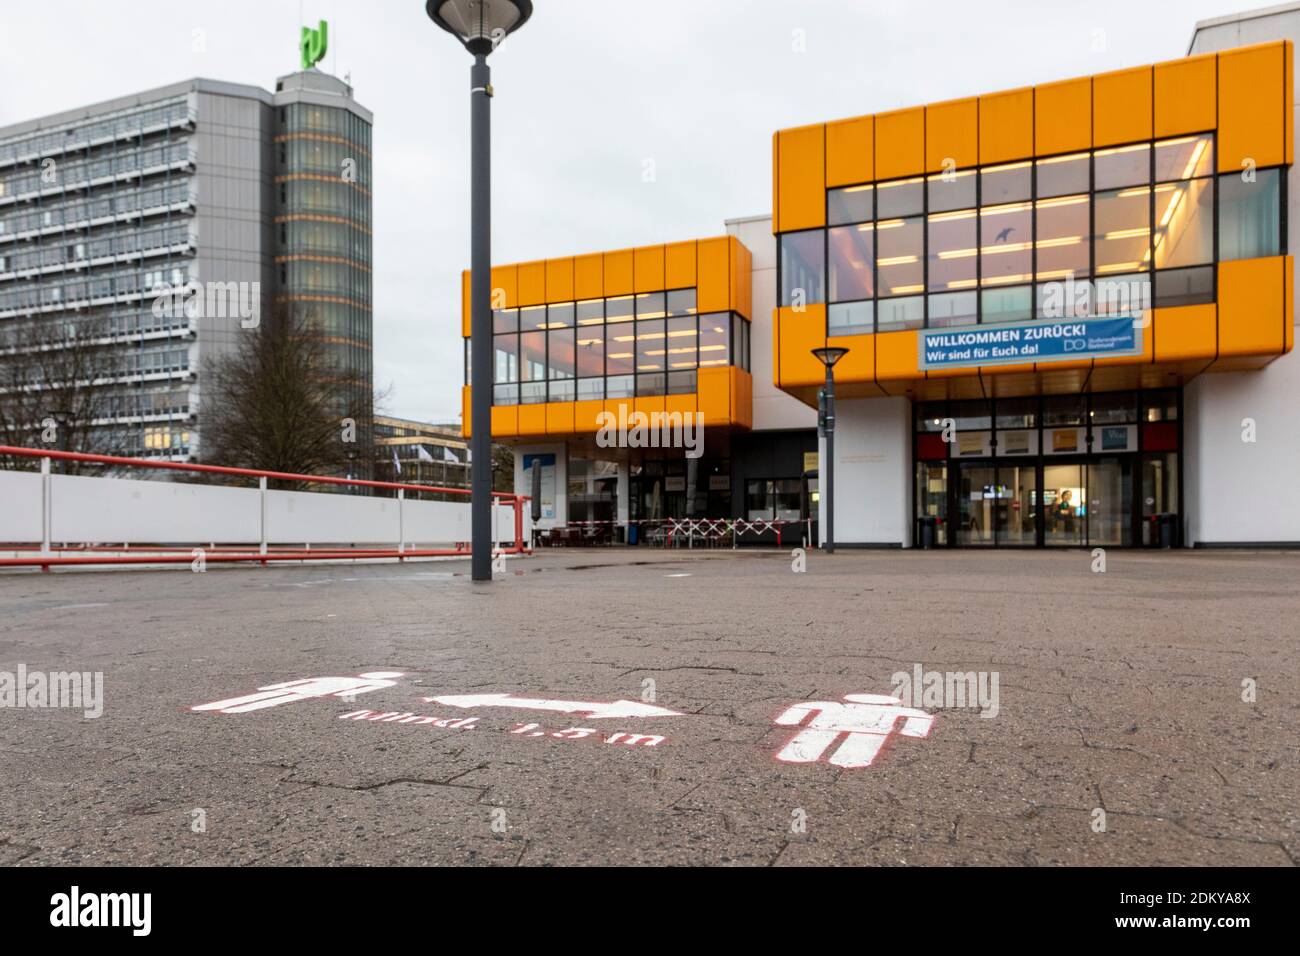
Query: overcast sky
column 587, row 92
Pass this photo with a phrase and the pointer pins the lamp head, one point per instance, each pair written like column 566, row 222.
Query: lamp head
column 829, row 356
column 479, row 24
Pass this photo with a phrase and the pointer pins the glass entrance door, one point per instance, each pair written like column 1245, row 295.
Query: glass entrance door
column 1064, row 505
column 977, row 500
column 1017, row 506
column 1159, row 493
column 932, row 497
column 1110, row 502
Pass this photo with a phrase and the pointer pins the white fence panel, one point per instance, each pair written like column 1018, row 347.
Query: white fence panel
column 435, row 522
column 20, row 506
column 112, row 510
column 304, row 517
column 97, row 510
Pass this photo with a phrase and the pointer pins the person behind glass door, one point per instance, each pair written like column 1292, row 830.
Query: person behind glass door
column 1065, row 512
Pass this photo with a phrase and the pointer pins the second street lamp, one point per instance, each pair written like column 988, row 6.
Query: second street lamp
column 480, row 25
column 828, row 357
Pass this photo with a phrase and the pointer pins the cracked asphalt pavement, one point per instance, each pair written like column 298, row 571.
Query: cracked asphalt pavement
column 1120, row 691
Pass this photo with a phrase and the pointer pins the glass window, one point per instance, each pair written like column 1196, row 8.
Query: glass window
column 1063, row 229
column 591, row 312
column 682, row 338
column 1062, row 410
column 619, row 308
column 849, row 205
column 619, row 386
column 532, row 318
column 591, row 352
column 590, row 389
column 715, row 341
column 1004, row 184
column 953, row 308
column 681, row 383
column 650, row 350
column 899, row 245
column 505, row 320
column 560, row 316
column 852, row 251
column 560, row 390
column 1161, row 406
column 1062, row 175
column 1122, row 294
column 505, row 395
column 1193, row 286
column 1006, row 305
column 972, row 416
column 651, row 305
column 895, row 314
column 532, row 357
column 955, row 190
column 895, row 200
column 1249, row 215
column 681, row 302
column 1184, row 223
column 930, row 416
column 560, row 359
column 652, row 383
column 1122, row 166
column 851, row 318
column 1017, row 413
column 952, row 252
column 1005, row 253
column 789, row 499
column 758, row 500
column 1185, row 158
column 620, row 351
column 803, row 261
column 1123, row 239
column 1113, row 408
column 507, row 358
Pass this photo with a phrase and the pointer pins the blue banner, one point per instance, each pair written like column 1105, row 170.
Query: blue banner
column 1053, row 340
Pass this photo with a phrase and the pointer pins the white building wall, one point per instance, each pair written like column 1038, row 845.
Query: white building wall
column 1239, row 492
column 873, row 469
column 1235, row 491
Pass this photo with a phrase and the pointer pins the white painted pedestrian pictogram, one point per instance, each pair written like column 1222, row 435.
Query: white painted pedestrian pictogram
column 861, row 725
column 593, row 710
column 290, row 692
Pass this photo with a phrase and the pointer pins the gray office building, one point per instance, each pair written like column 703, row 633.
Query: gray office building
column 228, row 186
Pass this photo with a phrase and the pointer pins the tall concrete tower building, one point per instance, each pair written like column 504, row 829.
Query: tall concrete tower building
column 229, row 186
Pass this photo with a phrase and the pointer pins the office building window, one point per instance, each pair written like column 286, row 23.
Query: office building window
column 1250, row 215
column 803, row 258
column 852, row 204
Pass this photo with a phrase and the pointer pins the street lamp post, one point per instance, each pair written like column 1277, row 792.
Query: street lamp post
column 480, row 25
column 828, row 357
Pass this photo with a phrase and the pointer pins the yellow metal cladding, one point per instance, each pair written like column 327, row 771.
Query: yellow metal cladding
column 1243, row 96
column 718, row 268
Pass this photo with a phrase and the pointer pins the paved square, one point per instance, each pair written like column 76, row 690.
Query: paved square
column 1119, row 691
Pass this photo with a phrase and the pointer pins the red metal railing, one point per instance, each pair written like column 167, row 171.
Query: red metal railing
column 264, row 553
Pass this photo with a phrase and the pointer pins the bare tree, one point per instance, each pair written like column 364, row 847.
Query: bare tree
column 280, row 402
column 52, row 395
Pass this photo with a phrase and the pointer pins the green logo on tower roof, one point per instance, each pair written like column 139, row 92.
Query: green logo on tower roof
column 314, row 44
